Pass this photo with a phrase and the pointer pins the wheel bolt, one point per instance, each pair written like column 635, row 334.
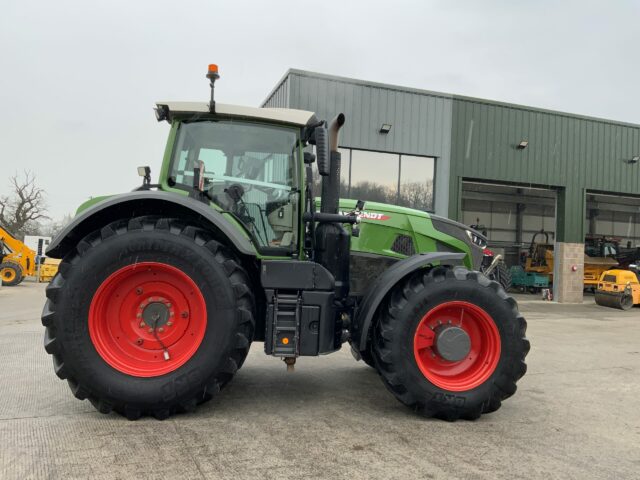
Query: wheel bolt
column 141, row 324
column 151, row 330
column 139, row 291
column 139, row 315
column 169, row 324
column 184, row 314
column 161, row 329
column 168, row 305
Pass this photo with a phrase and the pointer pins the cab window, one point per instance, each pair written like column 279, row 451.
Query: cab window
column 250, row 172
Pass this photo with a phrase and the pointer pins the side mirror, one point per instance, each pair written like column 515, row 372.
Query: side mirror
column 145, row 173
column 322, row 150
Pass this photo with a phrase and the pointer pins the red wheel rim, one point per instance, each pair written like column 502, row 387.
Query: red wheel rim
column 120, row 312
column 484, row 352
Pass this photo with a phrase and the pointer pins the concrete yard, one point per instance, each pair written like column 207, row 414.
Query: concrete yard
column 576, row 414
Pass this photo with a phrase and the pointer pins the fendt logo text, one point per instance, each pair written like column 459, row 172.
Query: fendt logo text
column 372, row 216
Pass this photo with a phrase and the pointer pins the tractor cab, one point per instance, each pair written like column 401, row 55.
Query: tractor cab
column 247, row 169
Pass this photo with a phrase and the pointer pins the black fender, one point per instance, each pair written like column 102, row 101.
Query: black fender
column 383, row 285
column 146, row 202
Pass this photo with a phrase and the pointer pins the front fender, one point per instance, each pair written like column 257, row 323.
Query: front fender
column 148, row 202
column 383, row 285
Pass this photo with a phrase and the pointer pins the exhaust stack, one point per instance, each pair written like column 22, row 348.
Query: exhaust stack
column 331, row 182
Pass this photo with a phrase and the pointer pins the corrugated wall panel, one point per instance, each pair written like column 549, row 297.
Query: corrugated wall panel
column 279, row 96
column 570, row 152
column 562, row 151
column 474, row 138
column 419, row 119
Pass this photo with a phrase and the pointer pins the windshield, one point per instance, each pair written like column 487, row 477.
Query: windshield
column 250, row 171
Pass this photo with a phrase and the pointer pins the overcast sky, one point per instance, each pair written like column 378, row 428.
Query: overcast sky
column 78, row 79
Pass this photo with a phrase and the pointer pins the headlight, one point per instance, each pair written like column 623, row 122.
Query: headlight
column 476, row 239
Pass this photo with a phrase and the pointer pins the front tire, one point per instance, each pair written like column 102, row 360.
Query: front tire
column 105, row 304
column 450, row 344
column 10, row 274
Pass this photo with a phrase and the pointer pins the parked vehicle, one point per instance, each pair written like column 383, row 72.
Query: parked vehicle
column 162, row 290
column 619, row 288
column 18, row 261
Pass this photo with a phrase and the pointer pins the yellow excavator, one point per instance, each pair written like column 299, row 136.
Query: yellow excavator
column 540, row 260
column 18, row 261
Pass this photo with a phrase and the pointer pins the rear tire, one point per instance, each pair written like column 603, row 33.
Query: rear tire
column 186, row 269
column 10, row 274
column 484, row 377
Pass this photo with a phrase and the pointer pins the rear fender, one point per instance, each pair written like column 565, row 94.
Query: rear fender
column 383, row 285
column 134, row 204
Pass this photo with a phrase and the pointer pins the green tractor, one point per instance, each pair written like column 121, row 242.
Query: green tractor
column 162, row 290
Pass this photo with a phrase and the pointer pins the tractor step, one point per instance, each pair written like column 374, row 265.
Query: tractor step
column 285, row 311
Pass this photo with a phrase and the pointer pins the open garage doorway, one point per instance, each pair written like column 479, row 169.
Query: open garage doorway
column 510, row 215
column 613, row 227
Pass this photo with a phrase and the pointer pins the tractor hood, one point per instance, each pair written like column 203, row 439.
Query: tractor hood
column 384, row 211
column 383, row 223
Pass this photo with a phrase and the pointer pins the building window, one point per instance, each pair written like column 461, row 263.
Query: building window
column 416, row 182
column 374, row 176
column 405, row 180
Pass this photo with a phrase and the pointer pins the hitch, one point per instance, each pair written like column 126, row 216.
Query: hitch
column 291, row 363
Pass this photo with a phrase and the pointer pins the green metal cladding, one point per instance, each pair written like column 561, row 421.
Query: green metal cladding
column 476, row 139
column 570, row 153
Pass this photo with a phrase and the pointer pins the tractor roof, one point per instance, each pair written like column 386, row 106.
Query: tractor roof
column 282, row 115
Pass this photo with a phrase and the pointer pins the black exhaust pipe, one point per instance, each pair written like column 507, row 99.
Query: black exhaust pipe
column 332, row 241
column 331, row 182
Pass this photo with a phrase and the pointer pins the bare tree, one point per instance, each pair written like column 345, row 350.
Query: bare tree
column 52, row 228
column 24, row 206
column 417, row 195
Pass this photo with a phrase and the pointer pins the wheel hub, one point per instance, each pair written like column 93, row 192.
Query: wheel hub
column 452, row 343
column 156, row 313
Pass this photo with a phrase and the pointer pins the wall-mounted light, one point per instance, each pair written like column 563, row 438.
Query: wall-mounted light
column 633, row 160
column 523, row 144
column 385, row 128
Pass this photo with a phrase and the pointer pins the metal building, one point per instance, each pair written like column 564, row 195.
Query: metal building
column 513, row 169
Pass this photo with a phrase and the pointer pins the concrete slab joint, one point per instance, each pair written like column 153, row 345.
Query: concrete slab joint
column 568, row 278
